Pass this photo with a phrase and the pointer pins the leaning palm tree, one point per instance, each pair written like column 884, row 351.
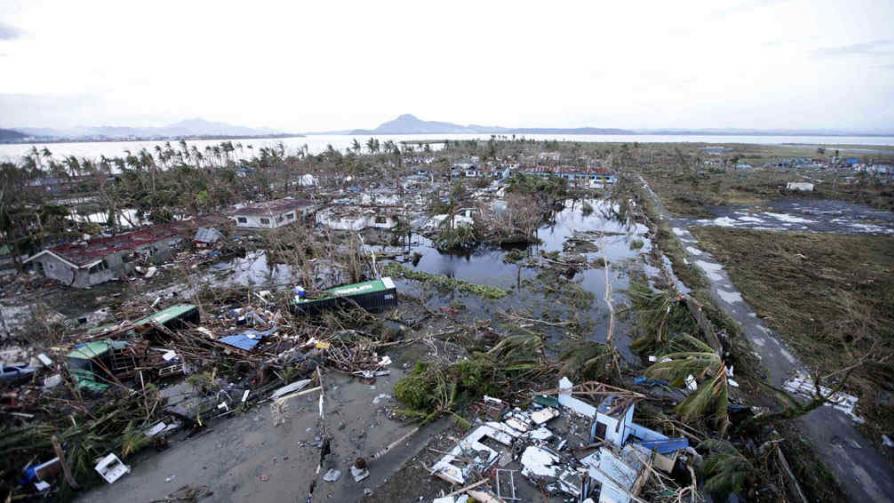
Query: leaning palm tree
column 725, row 469
column 711, row 399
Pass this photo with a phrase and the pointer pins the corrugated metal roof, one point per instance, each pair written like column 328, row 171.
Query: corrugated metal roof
column 90, row 350
column 166, row 315
column 666, row 446
column 207, row 235
column 247, row 340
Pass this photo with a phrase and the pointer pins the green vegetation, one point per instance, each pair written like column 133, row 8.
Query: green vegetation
column 586, row 361
column 711, row 399
column 459, row 238
column 830, row 296
column 661, row 319
column 434, row 389
column 441, row 281
column 725, row 470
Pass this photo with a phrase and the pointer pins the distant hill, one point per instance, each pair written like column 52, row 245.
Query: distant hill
column 192, row 128
column 11, row 135
column 410, row 124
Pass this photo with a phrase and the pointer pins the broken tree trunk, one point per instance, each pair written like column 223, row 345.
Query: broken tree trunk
column 707, row 328
column 66, row 470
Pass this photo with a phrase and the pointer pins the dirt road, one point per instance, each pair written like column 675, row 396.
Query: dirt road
column 862, row 472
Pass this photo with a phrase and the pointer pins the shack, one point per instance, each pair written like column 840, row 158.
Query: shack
column 94, row 365
column 376, row 295
column 94, row 261
column 799, row 186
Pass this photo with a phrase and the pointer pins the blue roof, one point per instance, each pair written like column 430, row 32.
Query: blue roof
column 246, row 340
column 666, row 446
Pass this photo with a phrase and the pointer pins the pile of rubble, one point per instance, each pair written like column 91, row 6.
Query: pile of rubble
column 562, row 446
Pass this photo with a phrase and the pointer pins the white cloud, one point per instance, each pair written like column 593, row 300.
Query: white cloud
column 343, row 64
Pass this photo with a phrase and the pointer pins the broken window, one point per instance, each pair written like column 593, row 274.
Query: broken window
column 242, row 220
column 265, row 221
column 381, row 220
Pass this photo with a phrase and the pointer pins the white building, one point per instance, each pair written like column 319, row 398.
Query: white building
column 271, row 214
column 799, row 186
column 358, row 218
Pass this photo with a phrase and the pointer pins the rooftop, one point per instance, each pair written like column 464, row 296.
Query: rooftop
column 84, row 253
column 275, row 207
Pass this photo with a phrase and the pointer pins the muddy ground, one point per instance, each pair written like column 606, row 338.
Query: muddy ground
column 247, row 458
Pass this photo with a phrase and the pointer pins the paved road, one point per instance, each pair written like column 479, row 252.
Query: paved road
column 864, row 474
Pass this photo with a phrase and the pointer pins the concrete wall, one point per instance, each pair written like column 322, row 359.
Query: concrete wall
column 114, row 265
column 78, row 277
column 273, row 222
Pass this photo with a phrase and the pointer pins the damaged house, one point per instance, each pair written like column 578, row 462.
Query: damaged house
column 358, row 218
column 272, row 214
column 94, row 261
column 619, row 465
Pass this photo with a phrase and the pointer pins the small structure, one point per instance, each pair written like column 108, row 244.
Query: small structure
column 87, row 263
column 272, row 214
column 93, row 365
column 620, row 475
column 207, row 236
column 799, row 186
column 307, row 180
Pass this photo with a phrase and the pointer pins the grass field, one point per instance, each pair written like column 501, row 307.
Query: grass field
column 831, row 296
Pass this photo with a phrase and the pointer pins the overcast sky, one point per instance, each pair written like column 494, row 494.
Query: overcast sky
column 301, row 66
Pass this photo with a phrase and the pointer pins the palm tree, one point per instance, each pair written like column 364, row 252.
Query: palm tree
column 711, row 398
column 726, row 470
column 355, row 146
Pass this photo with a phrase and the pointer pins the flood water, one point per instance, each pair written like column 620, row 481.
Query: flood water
column 821, row 215
column 528, row 289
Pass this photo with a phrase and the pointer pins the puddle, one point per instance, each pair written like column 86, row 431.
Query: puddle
column 803, row 215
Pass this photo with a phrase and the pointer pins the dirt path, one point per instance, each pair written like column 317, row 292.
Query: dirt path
column 862, row 472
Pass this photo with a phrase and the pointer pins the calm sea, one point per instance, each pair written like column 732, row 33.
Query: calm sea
column 319, row 143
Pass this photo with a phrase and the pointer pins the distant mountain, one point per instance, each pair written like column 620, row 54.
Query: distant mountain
column 11, row 135
column 410, row 124
column 192, row 128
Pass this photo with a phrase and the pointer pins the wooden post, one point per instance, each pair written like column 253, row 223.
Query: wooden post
column 66, row 470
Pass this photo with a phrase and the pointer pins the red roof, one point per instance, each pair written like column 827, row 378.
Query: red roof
column 86, row 252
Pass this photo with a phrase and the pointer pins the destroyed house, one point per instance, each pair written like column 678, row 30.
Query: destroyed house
column 358, row 218
column 87, row 263
column 94, row 365
column 375, row 295
column 613, row 425
column 272, row 214
column 575, row 175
